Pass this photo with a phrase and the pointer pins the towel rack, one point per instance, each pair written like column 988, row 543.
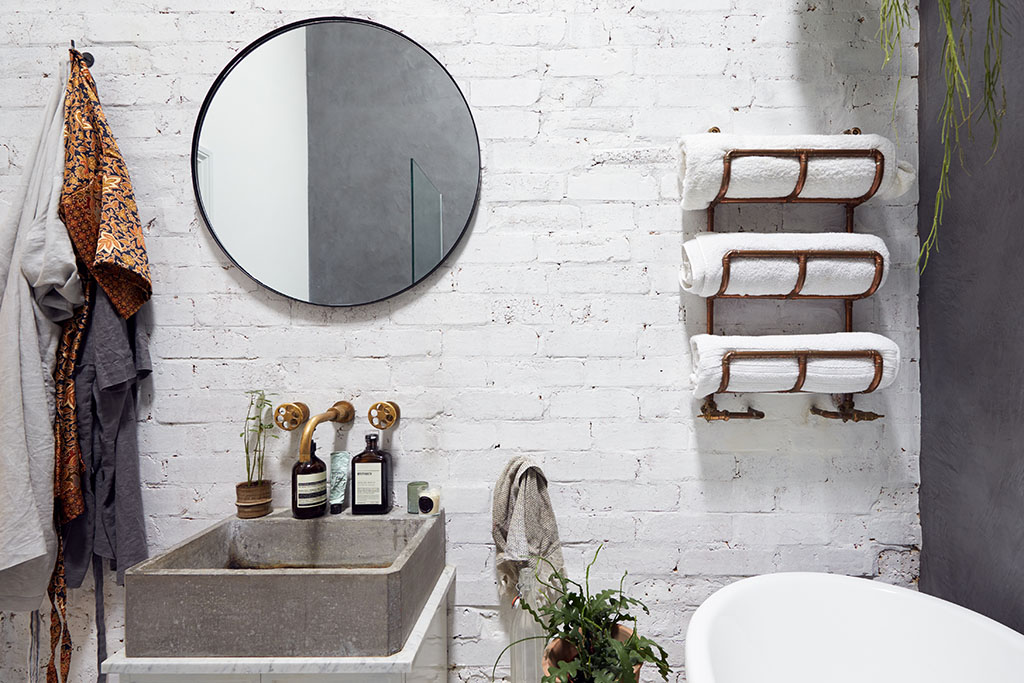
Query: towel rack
column 801, row 357
column 803, row 156
column 845, row 410
column 802, row 256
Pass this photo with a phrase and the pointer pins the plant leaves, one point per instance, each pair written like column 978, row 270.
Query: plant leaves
column 625, row 662
column 587, row 621
column 562, row 672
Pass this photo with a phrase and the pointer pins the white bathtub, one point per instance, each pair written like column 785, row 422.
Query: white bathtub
column 826, row 628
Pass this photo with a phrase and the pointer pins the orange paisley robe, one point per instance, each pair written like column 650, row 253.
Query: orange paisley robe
column 98, row 208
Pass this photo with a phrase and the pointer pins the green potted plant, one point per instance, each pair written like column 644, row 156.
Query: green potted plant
column 588, row 637
column 252, row 496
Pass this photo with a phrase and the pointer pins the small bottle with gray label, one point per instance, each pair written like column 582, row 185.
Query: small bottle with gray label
column 371, row 480
column 309, row 486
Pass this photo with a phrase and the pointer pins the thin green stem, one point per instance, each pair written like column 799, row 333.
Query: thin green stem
column 894, row 16
column 254, row 435
column 957, row 109
column 494, row 669
column 994, row 92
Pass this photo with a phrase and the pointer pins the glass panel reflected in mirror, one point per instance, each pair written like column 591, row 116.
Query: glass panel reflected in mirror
column 427, row 222
column 336, row 162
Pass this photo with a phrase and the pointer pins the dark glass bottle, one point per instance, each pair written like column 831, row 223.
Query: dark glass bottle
column 371, row 480
column 309, row 486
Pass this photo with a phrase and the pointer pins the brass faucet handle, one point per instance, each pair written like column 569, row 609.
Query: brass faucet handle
column 289, row 416
column 344, row 411
column 383, row 414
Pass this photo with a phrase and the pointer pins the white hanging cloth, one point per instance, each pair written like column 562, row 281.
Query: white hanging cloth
column 40, row 290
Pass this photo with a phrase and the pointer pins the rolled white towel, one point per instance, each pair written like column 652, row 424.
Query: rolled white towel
column 763, row 177
column 770, row 375
column 702, row 269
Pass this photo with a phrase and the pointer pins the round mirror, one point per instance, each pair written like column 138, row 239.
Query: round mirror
column 336, row 161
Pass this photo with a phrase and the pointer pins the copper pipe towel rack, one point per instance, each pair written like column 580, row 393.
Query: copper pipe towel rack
column 802, row 256
column 846, row 410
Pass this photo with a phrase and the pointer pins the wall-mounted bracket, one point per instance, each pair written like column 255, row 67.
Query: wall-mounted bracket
column 846, row 412
column 711, row 412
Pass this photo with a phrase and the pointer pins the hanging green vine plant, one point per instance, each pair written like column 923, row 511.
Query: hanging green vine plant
column 958, row 109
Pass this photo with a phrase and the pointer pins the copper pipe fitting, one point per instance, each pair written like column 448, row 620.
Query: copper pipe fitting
column 342, row 411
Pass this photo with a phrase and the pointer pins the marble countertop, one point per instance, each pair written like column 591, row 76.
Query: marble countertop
column 400, row 662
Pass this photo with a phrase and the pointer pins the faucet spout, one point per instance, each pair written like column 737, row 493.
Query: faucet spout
column 342, row 411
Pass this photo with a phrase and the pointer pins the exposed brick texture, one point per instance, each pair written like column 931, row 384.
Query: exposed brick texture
column 557, row 328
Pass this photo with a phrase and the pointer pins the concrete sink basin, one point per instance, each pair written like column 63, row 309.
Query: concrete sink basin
column 337, row 586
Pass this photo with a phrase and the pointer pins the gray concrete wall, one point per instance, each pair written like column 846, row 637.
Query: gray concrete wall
column 972, row 347
column 365, row 79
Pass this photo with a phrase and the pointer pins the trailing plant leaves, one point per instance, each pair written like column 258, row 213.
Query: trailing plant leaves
column 894, row 16
column 958, row 109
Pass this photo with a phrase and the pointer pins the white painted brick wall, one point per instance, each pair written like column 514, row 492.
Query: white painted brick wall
column 557, row 329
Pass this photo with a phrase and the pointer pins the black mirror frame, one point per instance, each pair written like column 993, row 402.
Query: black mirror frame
column 213, row 91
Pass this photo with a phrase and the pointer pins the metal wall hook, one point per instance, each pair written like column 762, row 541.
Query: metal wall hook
column 87, row 56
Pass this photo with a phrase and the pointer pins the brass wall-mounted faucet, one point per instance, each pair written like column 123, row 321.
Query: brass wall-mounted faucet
column 289, row 416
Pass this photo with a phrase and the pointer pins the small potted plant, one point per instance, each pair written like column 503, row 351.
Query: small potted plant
column 588, row 639
column 252, row 496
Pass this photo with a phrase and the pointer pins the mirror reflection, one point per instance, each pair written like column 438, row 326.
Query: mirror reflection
column 336, row 162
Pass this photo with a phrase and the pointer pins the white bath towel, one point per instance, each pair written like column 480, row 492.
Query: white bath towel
column 702, row 169
column 701, row 272
column 824, row 375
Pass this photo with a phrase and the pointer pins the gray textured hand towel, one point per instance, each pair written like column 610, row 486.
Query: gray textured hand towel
column 524, row 526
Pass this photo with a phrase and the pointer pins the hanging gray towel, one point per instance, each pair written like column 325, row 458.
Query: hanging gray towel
column 523, row 525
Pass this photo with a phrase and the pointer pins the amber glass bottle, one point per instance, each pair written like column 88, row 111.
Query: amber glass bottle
column 371, row 480
column 309, row 486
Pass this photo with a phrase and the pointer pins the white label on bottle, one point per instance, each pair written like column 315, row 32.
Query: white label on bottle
column 311, row 489
column 368, row 485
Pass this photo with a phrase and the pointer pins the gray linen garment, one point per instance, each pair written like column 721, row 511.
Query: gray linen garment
column 113, row 359
column 40, row 290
